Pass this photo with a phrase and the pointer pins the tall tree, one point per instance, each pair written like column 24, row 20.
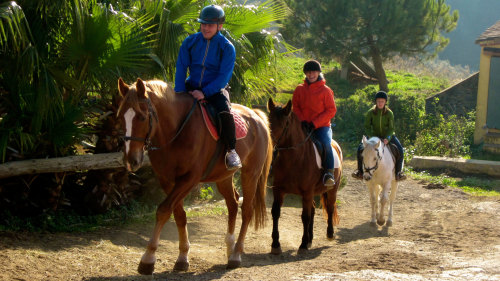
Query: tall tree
column 343, row 29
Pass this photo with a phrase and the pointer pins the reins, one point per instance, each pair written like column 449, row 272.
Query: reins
column 276, row 149
column 184, row 122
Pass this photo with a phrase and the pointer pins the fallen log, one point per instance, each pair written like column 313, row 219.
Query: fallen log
column 65, row 164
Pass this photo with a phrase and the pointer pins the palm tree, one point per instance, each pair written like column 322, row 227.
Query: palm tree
column 59, row 62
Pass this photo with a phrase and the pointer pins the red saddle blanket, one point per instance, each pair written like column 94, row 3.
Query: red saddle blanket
column 239, row 123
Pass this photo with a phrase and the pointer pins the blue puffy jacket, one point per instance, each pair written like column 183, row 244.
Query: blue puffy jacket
column 210, row 63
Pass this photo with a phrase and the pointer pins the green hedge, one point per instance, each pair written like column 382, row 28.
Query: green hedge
column 408, row 108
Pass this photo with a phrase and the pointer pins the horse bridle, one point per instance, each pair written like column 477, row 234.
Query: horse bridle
column 152, row 113
column 368, row 170
column 147, row 139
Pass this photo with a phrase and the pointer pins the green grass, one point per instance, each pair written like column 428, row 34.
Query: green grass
column 207, row 210
column 472, row 185
column 408, row 82
column 289, row 74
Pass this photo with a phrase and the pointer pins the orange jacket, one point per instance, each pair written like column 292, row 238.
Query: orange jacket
column 314, row 103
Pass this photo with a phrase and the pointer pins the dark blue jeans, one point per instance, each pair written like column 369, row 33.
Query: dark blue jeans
column 324, row 135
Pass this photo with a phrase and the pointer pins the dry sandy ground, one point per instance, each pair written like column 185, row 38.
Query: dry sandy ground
column 438, row 234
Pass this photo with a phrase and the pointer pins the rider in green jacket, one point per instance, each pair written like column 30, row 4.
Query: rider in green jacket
column 379, row 122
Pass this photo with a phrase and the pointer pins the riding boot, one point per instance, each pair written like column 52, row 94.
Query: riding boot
column 228, row 137
column 359, row 173
column 399, row 166
column 328, row 179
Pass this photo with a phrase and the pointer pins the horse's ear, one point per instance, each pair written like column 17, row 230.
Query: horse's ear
column 141, row 89
column 378, row 144
column 364, row 140
column 122, row 87
column 288, row 108
column 270, row 105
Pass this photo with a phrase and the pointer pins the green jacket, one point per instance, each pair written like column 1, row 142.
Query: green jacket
column 379, row 123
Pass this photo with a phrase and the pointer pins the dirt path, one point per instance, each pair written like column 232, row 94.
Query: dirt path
column 438, row 234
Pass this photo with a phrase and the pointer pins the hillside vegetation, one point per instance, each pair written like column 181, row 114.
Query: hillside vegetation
column 420, row 133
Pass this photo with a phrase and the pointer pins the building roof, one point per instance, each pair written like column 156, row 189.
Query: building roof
column 491, row 35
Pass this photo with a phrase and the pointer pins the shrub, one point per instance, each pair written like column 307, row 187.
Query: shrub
column 408, row 108
column 451, row 136
column 409, row 112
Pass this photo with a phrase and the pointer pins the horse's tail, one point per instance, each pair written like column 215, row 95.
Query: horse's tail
column 338, row 183
column 260, row 212
column 325, row 206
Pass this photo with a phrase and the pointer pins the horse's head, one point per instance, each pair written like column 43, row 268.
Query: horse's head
column 138, row 118
column 279, row 119
column 371, row 156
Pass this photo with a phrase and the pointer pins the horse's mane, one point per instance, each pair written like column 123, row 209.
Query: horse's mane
column 295, row 127
column 157, row 87
column 160, row 88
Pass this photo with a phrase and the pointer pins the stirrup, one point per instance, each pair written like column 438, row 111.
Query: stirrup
column 328, row 181
column 357, row 175
column 400, row 176
column 233, row 161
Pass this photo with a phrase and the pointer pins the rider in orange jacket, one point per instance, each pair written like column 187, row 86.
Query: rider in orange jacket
column 313, row 102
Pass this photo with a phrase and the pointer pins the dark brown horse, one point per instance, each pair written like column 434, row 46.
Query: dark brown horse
column 295, row 170
column 171, row 127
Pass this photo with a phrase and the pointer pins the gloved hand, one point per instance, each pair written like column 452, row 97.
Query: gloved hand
column 308, row 126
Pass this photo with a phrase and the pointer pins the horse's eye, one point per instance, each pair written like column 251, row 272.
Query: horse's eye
column 374, row 158
column 141, row 117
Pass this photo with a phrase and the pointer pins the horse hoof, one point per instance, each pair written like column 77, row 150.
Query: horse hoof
column 330, row 237
column 276, row 251
column 373, row 224
column 388, row 223
column 233, row 264
column 381, row 222
column 181, row 266
column 329, row 233
column 146, row 268
column 302, row 251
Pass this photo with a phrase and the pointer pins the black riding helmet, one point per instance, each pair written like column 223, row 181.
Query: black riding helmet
column 212, row 14
column 312, row 65
column 381, row 95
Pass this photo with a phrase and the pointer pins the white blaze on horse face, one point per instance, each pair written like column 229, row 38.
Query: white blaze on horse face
column 129, row 116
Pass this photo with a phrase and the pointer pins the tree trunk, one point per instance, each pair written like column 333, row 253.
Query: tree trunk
column 345, row 70
column 65, row 164
column 379, row 68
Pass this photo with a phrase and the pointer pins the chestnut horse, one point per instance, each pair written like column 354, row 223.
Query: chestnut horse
column 180, row 147
column 295, row 170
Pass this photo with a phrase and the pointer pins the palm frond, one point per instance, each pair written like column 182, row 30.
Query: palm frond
column 15, row 33
column 242, row 19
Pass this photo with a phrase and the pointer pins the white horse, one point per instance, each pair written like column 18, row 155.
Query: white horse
column 378, row 171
